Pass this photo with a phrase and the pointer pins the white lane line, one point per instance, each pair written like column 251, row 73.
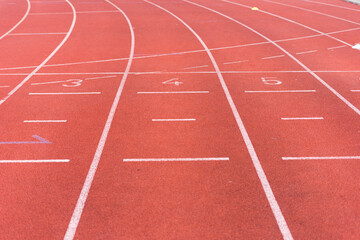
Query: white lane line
column 48, row 2
column 289, row 20
column 93, row 78
column 355, row 90
column 81, row 12
column 313, row 11
column 356, row 46
column 37, row 161
column 259, row 170
column 174, row 120
column 47, row 59
column 322, row 158
column 331, row 89
column 278, row 56
column 66, row 93
column 75, row 218
column 202, row 66
column 312, row 51
column 18, row 23
column 303, row 118
column 283, row 91
column 42, row 83
column 175, row 159
column 32, row 34
column 4, row 86
column 177, row 53
column 236, row 62
column 337, row 47
column 174, row 92
column 45, row 121
column 333, row 5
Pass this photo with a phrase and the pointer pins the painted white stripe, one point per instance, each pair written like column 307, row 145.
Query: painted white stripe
column 278, row 56
column 312, row 51
column 47, row 59
column 30, row 34
column 37, row 161
column 236, row 62
column 81, row 12
column 4, row 86
column 356, row 46
column 313, row 11
column 202, row 66
column 66, row 93
column 283, row 91
column 45, row 121
column 355, row 90
column 174, row 92
column 304, row 118
column 337, row 47
column 75, row 218
column 175, row 159
column 93, row 78
column 174, row 120
column 333, row 5
column 322, row 158
column 259, row 170
column 42, row 83
column 18, row 23
column 288, row 20
column 337, row 94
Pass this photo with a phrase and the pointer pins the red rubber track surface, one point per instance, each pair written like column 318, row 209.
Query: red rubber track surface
column 319, row 199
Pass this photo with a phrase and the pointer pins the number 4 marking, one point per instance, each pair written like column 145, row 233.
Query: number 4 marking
column 173, row 81
column 271, row 81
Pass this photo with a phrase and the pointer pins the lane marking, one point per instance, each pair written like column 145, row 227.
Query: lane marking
column 174, row 120
column 308, row 10
column 66, row 93
column 45, row 121
column 236, row 62
column 173, row 92
column 37, row 161
column 356, row 46
column 312, row 51
column 71, row 80
column 259, row 170
column 202, row 66
column 42, row 83
column 333, row 5
column 175, row 159
column 291, row 21
column 75, row 218
column 18, row 23
column 81, row 12
column 39, row 139
column 322, row 158
column 283, row 91
column 355, row 90
column 93, row 78
column 303, row 118
column 177, row 53
column 47, row 59
column 337, row 94
column 278, row 56
column 31, row 34
column 4, row 86
column 337, row 47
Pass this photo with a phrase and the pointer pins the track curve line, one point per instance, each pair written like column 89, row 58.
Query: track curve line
column 75, row 219
column 285, row 231
column 14, row 90
column 18, row 23
column 291, row 21
column 336, row 93
column 333, row 5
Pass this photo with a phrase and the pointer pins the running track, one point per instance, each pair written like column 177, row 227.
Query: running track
column 198, row 119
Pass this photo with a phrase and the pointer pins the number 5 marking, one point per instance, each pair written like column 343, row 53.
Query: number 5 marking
column 271, row 81
column 73, row 83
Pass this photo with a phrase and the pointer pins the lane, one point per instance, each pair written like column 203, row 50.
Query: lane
column 275, row 139
column 41, row 182
column 157, row 199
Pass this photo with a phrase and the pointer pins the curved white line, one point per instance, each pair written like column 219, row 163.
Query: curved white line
column 355, row 109
column 75, row 219
column 259, row 170
column 16, row 25
column 333, row 5
column 291, row 21
column 313, row 11
column 47, row 59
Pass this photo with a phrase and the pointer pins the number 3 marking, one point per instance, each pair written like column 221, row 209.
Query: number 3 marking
column 73, row 83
